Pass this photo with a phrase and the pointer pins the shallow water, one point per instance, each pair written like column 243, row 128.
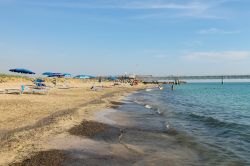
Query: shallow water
column 208, row 122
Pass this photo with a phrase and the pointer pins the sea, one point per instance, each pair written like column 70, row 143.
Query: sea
column 194, row 124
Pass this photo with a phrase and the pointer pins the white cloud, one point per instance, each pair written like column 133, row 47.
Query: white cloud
column 216, row 31
column 164, row 5
column 146, row 9
column 155, row 8
column 203, row 15
column 216, row 56
column 120, row 4
column 189, row 9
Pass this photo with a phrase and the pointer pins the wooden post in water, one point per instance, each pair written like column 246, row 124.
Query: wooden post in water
column 176, row 82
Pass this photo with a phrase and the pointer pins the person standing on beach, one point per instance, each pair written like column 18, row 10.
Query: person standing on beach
column 22, row 89
column 54, row 81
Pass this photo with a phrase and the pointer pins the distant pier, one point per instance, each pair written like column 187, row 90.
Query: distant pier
column 176, row 79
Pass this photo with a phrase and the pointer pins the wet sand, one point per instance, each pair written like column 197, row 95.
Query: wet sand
column 48, row 158
column 115, row 104
column 90, row 143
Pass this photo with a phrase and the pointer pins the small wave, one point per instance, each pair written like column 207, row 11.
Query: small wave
column 148, row 106
column 138, row 102
column 154, row 108
column 148, row 90
column 170, row 130
column 216, row 122
column 159, row 111
column 167, row 125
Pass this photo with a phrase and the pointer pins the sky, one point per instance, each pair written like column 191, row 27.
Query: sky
column 104, row 37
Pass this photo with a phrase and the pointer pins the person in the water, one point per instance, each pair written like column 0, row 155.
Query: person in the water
column 172, row 87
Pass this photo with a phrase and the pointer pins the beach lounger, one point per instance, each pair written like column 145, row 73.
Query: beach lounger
column 28, row 90
column 40, row 90
column 43, row 91
column 13, row 91
column 63, row 87
column 35, row 90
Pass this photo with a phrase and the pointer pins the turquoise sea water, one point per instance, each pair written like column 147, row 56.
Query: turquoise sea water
column 209, row 120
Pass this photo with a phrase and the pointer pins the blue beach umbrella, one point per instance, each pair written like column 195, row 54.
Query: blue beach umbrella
column 112, row 78
column 39, row 80
column 84, row 77
column 47, row 73
column 22, row 71
column 59, row 75
column 67, row 75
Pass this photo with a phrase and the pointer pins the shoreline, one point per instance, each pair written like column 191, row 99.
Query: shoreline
column 19, row 143
column 91, row 139
column 111, row 138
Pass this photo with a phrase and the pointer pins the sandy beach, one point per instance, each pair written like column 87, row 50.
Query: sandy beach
column 110, row 136
column 28, row 120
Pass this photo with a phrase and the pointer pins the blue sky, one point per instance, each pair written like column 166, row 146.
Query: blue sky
column 159, row 37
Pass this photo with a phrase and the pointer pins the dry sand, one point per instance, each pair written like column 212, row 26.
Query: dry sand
column 27, row 120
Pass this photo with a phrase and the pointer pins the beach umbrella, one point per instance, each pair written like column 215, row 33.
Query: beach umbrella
column 22, row 71
column 50, row 74
column 112, row 78
column 84, row 77
column 39, row 80
column 59, row 75
column 67, row 75
column 47, row 73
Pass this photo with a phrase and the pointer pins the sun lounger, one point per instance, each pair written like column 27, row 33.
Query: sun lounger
column 40, row 91
column 2, row 92
column 63, row 87
column 35, row 90
column 12, row 91
column 27, row 89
